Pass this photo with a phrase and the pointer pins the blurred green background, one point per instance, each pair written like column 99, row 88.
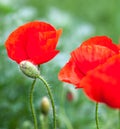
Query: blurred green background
column 80, row 19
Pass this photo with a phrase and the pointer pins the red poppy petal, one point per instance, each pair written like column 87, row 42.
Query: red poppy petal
column 39, row 49
column 47, row 35
column 52, row 42
column 40, row 26
column 51, row 34
column 69, row 74
column 44, row 57
column 16, row 54
column 88, row 57
column 103, row 83
column 15, row 45
column 118, row 45
column 102, row 41
column 38, row 46
column 59, row 32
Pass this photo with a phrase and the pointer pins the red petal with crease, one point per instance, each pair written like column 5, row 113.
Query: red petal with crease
column 52, row 42
column 87, row 57
column 102, row 41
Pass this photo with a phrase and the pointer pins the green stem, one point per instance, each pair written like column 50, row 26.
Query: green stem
column 32, row 106
column 51, row 99
column 96, row 116
column 44, row 121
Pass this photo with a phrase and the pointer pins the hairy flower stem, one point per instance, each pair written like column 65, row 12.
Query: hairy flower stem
column 32, row 106
column 96, row 116
column 51, row 99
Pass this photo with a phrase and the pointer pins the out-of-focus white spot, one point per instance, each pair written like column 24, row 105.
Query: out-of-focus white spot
column 5, row 2
column 61, row 59
column 83, row 30
column 59, row 17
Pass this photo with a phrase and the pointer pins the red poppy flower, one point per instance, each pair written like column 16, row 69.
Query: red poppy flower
column 91, row 54
column 35, row 41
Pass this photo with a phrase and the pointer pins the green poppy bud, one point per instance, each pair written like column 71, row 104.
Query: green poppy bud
column 45, row 105
column 29, row 69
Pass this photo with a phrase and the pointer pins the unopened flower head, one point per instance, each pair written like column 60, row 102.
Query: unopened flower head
column 45, row 105
column 29, row 69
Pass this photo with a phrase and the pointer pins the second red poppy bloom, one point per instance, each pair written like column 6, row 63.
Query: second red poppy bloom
column 90, row 55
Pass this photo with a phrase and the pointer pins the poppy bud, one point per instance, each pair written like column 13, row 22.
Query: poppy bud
column 45, row 105
column 29, row 69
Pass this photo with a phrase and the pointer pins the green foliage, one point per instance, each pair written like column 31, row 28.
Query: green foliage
column 79, row 19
